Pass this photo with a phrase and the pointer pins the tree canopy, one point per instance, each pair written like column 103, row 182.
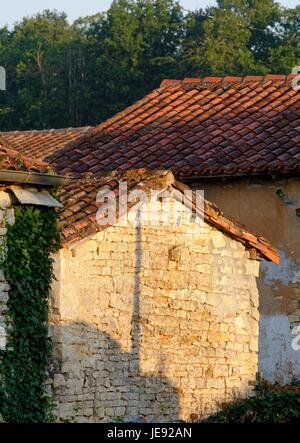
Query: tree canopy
column 61, row 74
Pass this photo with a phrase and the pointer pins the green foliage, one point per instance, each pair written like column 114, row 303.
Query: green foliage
column 28, row 268
column 61, row 74
column 273, row 404
column 226, row 39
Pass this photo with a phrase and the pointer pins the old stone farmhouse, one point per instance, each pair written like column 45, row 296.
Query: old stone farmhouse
column 236, row 138
column 154, row 322
column 150, row 321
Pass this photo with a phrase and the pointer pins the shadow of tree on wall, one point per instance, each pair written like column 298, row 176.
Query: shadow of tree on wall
column 97, row 381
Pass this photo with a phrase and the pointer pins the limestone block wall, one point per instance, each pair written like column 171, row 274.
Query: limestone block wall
column 6, row 216
column 156, row 323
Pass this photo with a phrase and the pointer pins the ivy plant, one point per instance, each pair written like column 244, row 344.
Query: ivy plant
column 28, row 268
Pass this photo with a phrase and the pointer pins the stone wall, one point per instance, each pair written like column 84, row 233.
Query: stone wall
column 270, row 207
column 6, row 216
column 153, row 323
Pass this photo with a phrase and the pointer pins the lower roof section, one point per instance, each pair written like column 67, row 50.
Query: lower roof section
column 78, row 218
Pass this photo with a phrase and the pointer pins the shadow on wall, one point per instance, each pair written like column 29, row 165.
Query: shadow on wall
column 94, row 380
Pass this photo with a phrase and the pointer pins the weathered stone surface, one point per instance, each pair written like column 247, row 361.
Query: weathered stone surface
column 6, row 215
column 158, row 323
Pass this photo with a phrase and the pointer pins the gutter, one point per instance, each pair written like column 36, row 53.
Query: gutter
column 34, row 178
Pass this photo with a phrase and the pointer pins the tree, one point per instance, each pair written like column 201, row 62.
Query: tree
column 226, row 39
column 241, row 37
column 60, row 74
column 160, row 29
column 286, row 54
column 39, row 56
column 131, row 48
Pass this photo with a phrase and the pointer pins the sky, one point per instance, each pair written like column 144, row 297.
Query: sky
column 14, row 10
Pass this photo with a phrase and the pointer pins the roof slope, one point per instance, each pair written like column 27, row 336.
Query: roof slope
column 78, row 216
column 40, row 144
column 215, row 126
column 14, row 161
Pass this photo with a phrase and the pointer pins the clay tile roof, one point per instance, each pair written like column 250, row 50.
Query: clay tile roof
column 198, row 127
column 79, row 199
column 14, row 161
column 40, row 144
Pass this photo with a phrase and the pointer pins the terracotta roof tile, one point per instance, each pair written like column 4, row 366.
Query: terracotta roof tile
column 40, row 144
column 14, row 161
column 210, row 126
column 78, row 216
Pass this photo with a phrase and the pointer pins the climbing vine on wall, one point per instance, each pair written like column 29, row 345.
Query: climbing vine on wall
column 28, row 268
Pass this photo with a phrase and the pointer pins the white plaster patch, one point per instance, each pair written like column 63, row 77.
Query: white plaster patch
column 278, row 361
column 287, row 272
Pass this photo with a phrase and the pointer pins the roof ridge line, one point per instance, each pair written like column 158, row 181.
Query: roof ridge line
column 226, row 79
column 34, row 131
